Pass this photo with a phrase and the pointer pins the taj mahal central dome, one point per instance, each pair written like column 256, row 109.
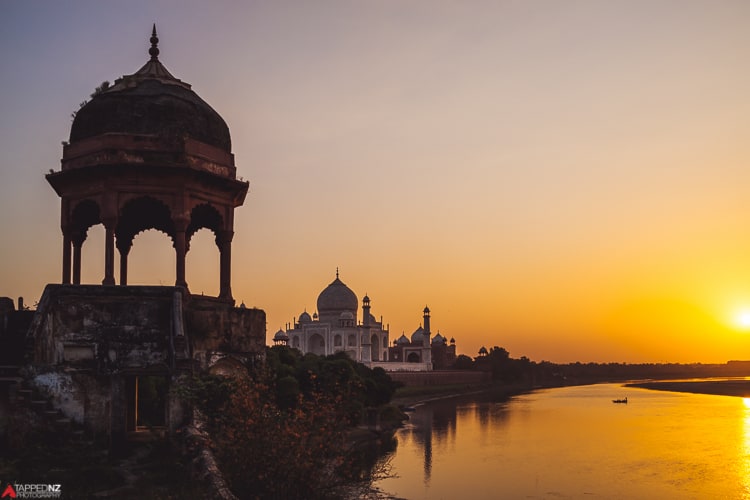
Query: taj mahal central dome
column 337, row 298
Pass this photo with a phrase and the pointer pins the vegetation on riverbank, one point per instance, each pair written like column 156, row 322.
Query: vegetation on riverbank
column 294, row 427
column 407, row 394
column 504, row 368
column 288, row 429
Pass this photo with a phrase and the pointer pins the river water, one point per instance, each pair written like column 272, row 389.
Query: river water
column 574, row 442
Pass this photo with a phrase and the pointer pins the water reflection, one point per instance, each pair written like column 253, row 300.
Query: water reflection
column 745, row 469
column 574, row 442
column 436, row 423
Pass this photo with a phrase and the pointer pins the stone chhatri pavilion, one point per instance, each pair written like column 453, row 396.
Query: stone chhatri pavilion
column 147, row 153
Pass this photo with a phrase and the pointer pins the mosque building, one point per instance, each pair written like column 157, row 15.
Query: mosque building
column 335, row 328
column 410, row 350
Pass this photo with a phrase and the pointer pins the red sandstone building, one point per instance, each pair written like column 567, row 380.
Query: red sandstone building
column 145, row 153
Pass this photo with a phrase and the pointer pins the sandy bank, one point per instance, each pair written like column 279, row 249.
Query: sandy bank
column 739, row 388
column 497, row 390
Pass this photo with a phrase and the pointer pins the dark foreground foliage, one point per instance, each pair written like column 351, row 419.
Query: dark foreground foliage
column 284, row 430
column 32, row 451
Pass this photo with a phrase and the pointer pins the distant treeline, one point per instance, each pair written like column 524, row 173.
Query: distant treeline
column 508, row 369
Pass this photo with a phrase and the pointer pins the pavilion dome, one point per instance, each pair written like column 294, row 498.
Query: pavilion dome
column 403, row 339
column 151, row 102
column 438, row 339
column 337, row 297
column 305, row 317
column 281, row 335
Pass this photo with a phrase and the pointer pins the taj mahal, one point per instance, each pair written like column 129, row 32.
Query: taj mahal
column 335, row 328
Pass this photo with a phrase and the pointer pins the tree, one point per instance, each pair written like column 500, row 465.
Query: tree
column 269, row 452
column 283, row 431
column 463, row 362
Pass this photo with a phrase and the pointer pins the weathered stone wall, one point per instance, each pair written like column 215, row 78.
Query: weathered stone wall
column 215, row 326
column 396, row 366
column 89, row 342
column 107, row 329
column 13, row 327
column 441, row 377
column 103, row 329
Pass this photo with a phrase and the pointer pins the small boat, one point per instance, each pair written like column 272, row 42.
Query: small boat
column 619, row 401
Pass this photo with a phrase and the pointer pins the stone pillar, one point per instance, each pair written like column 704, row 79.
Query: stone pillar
column 109, row 252
column 180, row 248
column 77, row 240
column 224, row 241
column 66, row 258
column 124, row 265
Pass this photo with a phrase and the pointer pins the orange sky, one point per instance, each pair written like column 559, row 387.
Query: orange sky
column 568, row 180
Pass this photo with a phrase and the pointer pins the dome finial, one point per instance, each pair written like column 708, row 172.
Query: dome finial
column 337, row 272
column 154, row 50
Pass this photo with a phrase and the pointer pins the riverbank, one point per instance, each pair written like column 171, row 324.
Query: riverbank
column 413, row 396
column 738, row 388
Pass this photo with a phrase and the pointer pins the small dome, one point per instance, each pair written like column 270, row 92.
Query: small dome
column 453, row 341
column 337, row 297
column 418, row 336
column 438, row 340
column 403, row 339
column 281, row 335
column 305, row 317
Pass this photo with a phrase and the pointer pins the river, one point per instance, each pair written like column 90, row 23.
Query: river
column 573, row 442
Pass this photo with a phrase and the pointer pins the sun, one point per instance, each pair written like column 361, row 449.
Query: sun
column 742, row 320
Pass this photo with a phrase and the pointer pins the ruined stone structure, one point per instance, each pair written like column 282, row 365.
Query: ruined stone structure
column 145, row 153
column 94, row 348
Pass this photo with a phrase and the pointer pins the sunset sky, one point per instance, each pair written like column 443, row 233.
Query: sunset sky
column 569, row 180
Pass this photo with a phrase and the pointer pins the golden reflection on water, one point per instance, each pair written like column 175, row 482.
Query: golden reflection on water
column 574, row 442
column 746, row 448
